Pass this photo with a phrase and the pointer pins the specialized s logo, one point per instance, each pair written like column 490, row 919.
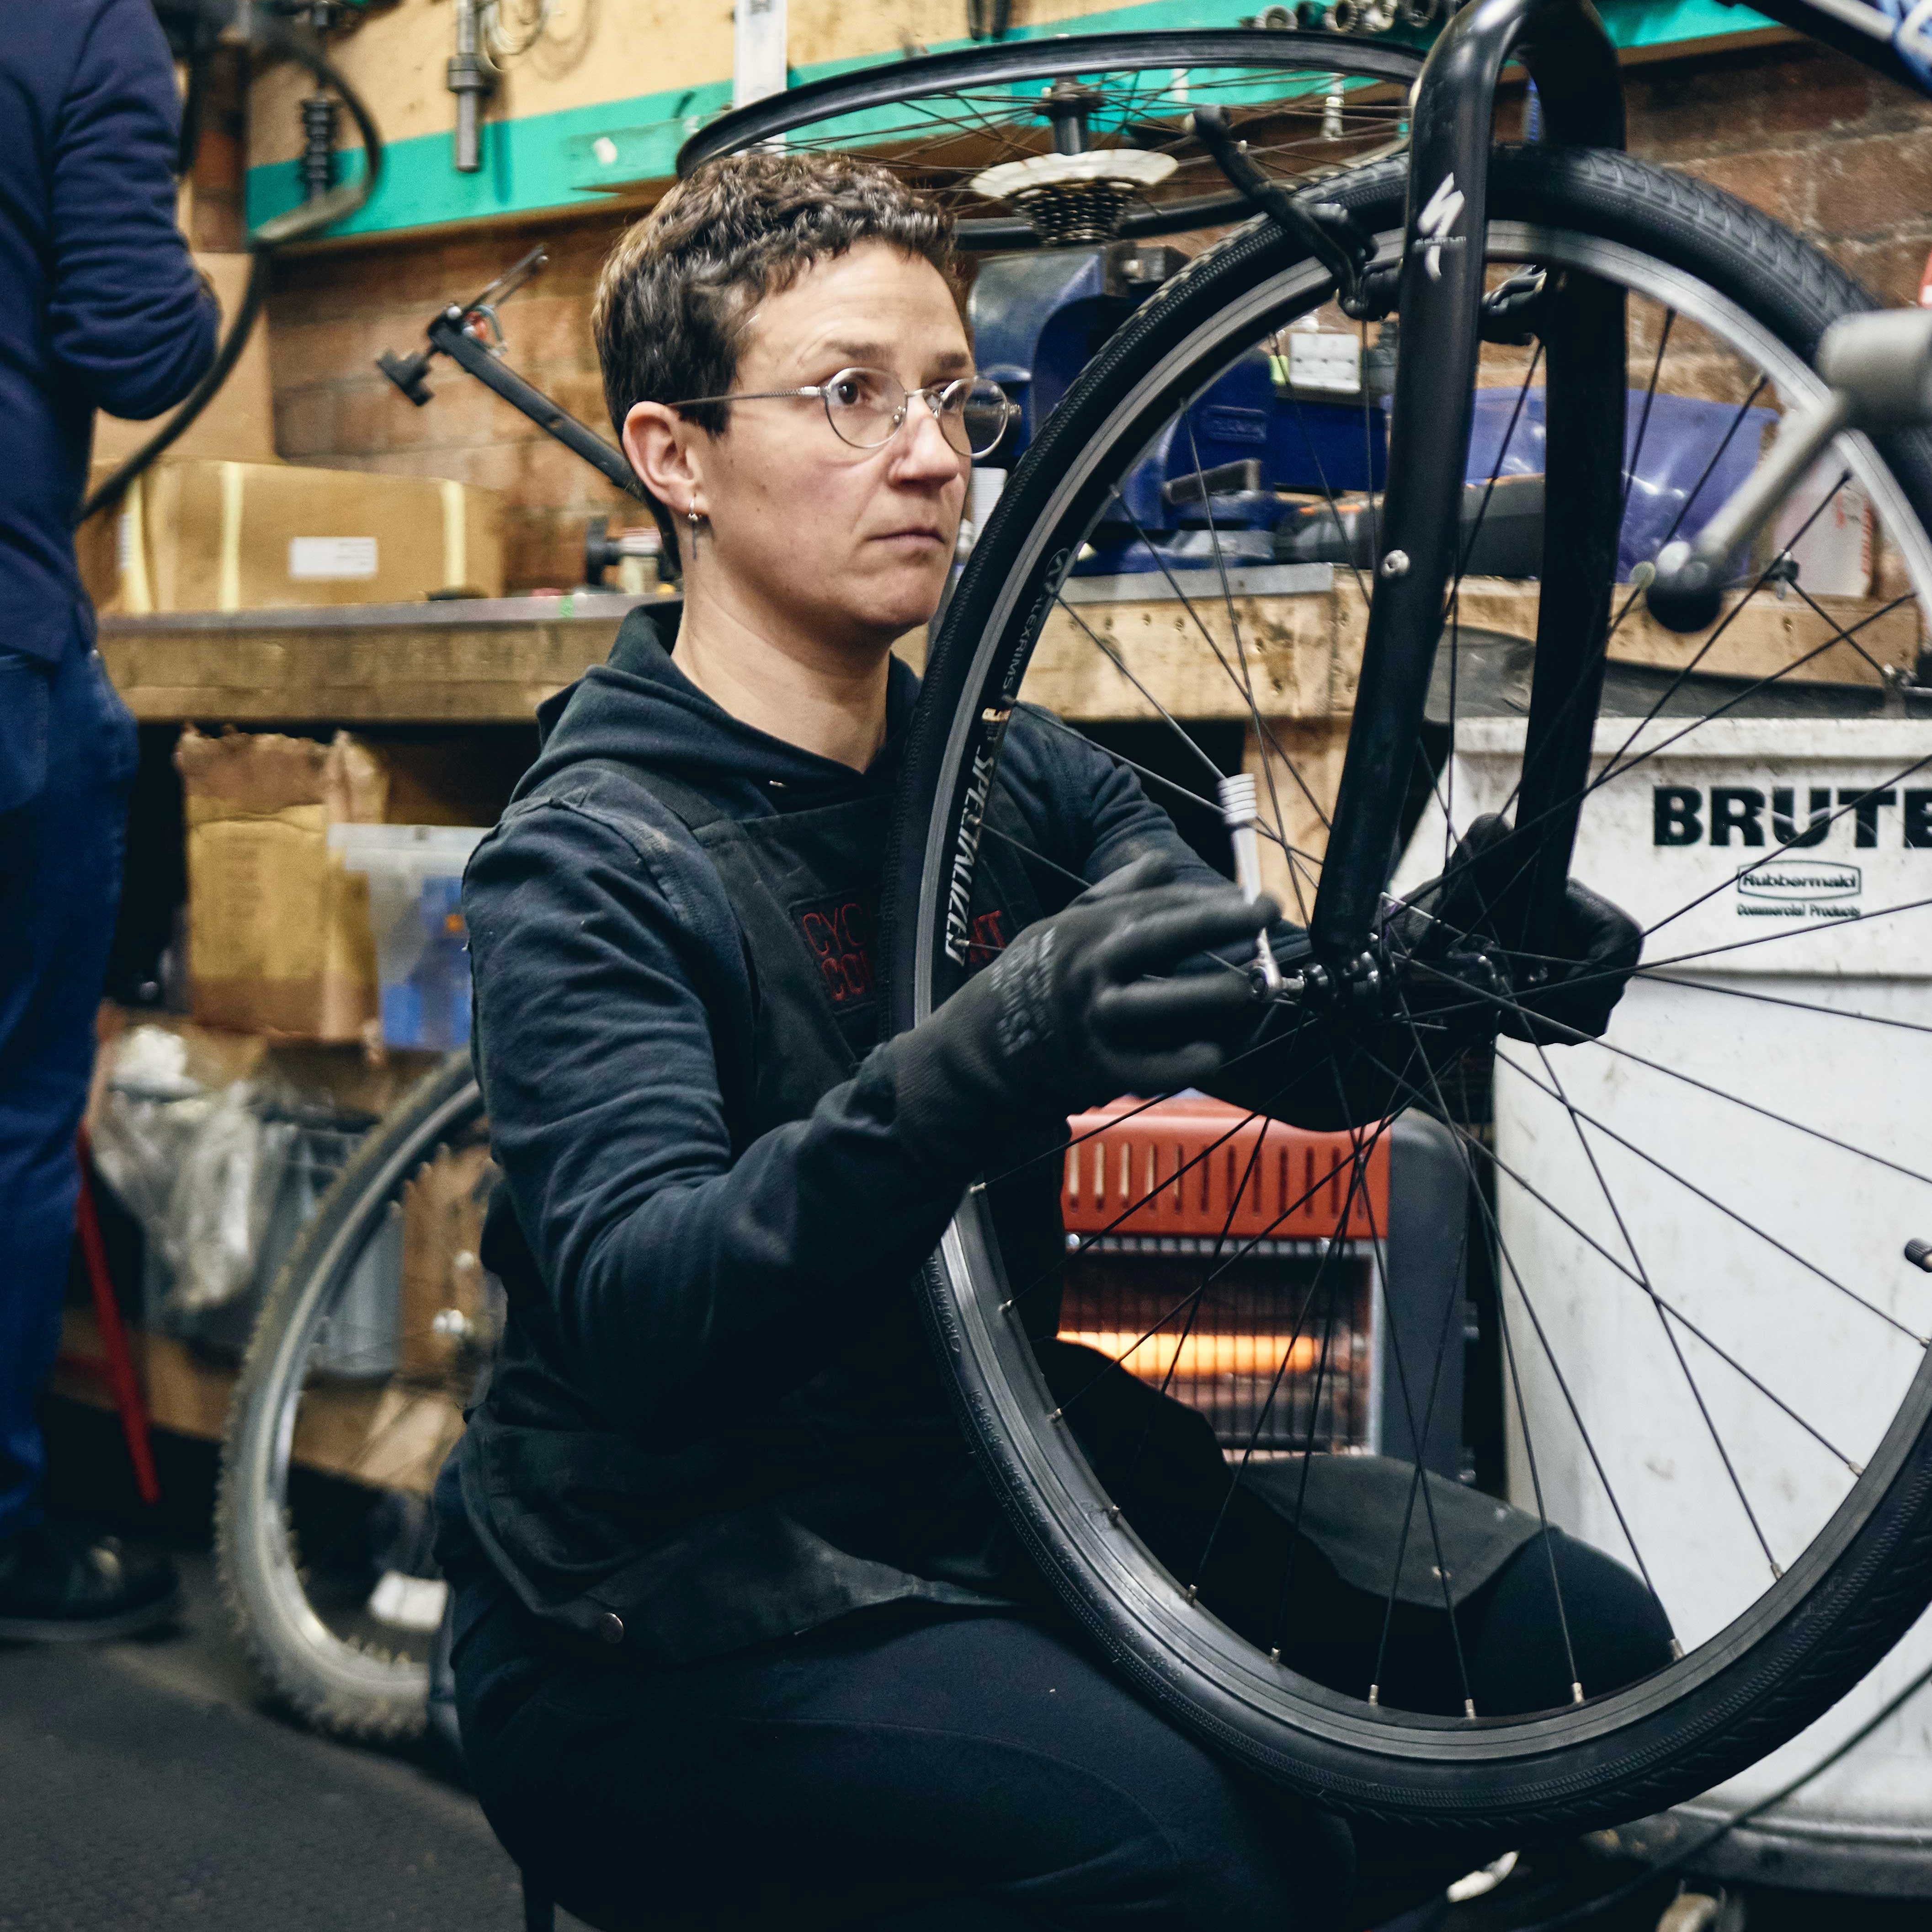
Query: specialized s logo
column 1434, row 224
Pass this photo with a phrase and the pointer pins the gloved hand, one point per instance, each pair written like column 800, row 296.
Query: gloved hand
column 1449, row 984
column 1446, row 928
column 1074, row 1012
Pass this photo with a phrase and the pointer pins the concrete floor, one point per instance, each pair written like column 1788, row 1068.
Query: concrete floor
column 144, row 1784
column 148, row 1786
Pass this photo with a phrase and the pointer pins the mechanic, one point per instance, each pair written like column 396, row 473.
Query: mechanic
column 100, row 308
column 740, row 1636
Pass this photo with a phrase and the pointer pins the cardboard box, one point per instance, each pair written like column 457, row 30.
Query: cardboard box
column 202, row 535
column 278, row 930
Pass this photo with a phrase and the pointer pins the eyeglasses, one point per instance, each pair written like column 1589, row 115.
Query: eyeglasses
column 866, row 406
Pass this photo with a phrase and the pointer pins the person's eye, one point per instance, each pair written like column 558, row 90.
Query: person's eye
column 845, row 391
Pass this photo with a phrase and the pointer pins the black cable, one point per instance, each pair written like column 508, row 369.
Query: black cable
column 1575, row 1915
column 194, row 105
column 297, row 43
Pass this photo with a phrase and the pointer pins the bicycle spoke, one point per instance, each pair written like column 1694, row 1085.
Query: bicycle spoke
column 1246, row 680
column 1107, row 651
column 1710, row 1200
column 1676, row 1348
column 1207, row 637
column 1522, row 1419
column 1442, row 1560
column 1784, row 1000
column 1483, row 996
column 1378, row 1675
column 1643, row 418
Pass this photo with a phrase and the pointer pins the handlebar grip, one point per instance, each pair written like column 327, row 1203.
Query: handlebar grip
column 1687, row 591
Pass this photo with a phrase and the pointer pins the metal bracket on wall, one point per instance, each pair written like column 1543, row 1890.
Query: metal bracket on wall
column 471, row 76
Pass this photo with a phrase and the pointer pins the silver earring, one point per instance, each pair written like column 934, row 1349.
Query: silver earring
column 693, row 515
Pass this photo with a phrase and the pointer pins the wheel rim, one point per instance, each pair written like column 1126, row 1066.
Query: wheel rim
column 335, row 1440
column 942, row 119
column 1160, row 1622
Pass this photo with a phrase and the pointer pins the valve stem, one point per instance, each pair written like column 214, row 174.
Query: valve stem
column 1239, row 813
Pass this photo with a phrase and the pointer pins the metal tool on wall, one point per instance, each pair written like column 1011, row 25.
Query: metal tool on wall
column 195, row 28
column 470, row 335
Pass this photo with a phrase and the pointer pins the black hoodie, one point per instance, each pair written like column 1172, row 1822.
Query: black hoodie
column 671, row 1276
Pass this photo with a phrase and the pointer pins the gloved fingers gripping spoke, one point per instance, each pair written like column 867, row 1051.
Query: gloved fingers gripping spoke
column 1194, row 920
column 1211, row 1007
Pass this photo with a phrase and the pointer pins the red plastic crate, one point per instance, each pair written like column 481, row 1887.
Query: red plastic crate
column 1191, row 1156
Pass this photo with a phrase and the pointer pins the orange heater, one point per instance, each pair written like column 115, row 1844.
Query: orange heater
column 1250, row 1269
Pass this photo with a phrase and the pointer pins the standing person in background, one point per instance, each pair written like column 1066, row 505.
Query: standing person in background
column 100, row 308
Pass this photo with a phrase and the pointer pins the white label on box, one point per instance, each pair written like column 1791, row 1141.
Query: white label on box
column 313, row 557
column 1326, row 359
column 409, row 1603
column 124, row 541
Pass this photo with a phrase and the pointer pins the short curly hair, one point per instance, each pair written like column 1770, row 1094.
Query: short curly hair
column 677, row 290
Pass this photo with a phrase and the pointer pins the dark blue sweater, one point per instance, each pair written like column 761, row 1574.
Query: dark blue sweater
column 100, row 304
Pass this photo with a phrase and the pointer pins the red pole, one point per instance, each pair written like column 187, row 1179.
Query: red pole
column 117, row 1365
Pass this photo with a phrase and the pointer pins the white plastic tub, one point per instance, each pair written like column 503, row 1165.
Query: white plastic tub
column 1696, row 823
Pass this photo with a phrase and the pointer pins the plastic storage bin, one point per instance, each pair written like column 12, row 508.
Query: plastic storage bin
column 1691, row 821
column 422, row 955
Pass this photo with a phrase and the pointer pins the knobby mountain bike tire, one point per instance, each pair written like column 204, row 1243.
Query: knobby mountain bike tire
column 1781, row 1602
column 370, row 1342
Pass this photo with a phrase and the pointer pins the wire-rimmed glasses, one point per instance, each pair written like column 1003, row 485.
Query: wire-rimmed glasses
column 866, row 406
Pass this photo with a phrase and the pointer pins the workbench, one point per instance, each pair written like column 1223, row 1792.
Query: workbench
column 1113, row 651
column 467, row 660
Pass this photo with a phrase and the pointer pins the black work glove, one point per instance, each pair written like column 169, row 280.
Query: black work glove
column 1446, row 932
column 1448, row 984
column 1074, row 1012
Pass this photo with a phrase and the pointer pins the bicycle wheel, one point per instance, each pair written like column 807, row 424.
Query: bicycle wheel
column 370, row 1346
column 1704, row 1340
column 1307, row 105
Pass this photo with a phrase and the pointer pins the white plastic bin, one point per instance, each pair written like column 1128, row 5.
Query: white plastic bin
column 1696, row 823
column 415, row 910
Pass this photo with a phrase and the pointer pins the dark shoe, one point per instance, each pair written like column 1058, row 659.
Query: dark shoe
column 61, row 1585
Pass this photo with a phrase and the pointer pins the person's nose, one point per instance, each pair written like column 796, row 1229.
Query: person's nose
column 920, row 451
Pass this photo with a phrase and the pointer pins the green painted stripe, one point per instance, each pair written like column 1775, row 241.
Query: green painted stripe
column 543, row 161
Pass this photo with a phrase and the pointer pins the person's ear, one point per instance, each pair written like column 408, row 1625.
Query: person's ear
column 668, row 454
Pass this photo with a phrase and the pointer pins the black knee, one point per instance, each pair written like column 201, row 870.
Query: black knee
column 1519, row 1658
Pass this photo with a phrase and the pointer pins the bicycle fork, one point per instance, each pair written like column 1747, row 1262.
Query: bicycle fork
column 1563, row 44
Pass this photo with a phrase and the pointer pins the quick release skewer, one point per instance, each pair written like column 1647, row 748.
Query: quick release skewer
column 1239, row 815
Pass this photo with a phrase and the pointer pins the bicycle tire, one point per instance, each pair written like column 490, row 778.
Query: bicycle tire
column 888, row 83
column 344, row 1687
column 1868, row 1575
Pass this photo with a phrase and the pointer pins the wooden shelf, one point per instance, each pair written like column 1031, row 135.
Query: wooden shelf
column 408, row 1430
column 493, row 661
column 467, row 661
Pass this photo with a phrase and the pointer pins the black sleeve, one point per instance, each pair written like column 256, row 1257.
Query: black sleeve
column 129, row 319
column 673, row 1260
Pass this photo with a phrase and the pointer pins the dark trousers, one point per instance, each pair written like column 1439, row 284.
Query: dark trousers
column 900, row 1769
column 68, row 753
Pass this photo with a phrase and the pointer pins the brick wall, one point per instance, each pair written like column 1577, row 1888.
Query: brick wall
column 332, row 313
column 1812, row 139
column 1844, row 157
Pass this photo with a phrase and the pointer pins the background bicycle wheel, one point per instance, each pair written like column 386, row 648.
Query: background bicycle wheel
column 373, row 1340
column 1307, row 104
column 1703, row 1350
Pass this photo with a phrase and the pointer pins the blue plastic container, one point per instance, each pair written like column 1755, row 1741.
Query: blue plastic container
column 415, row 916
column 430, row 1006
column 1694, row 456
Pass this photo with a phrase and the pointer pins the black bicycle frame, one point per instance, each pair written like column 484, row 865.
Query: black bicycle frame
column 1563, row 45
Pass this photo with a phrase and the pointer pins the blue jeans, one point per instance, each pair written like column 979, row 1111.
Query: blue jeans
column 68, row 753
